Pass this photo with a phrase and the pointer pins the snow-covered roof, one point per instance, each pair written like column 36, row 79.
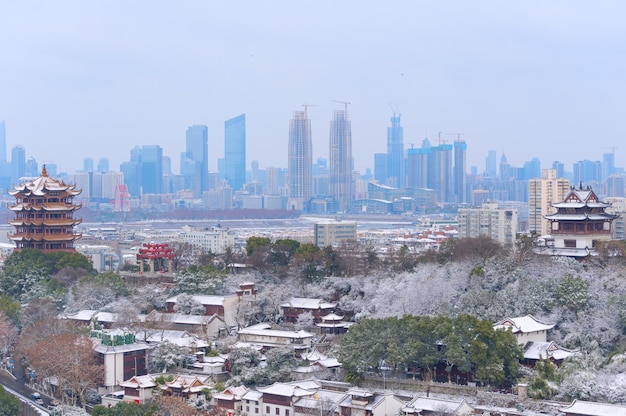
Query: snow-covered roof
column 42, row 184
column 524, row 324
column 308, row 303
column 231, row 393
column 180, row 338
column 314, row 355
column 286, row 390
column 539, row 350
column 116, row 349
column 328, row 363
column 579, row 407
column 253, row 395
column 202, row 299
column 275, row 333
column 332, row 317
column 432, row 404
column 139, row 382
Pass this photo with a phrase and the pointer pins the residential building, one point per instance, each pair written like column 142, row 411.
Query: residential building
column 214, row 240
column 542, row 194
column 361, row 402
column 423, row 406
column 460, row 182
column 44, row 214
column 491, row 221
column 332, row 233
column 300, row 161
column 235, row 151
column 263, row 336
column 222, row 306
column 585, row 408
column 296, row 306
column 340, row 159
column 579, row 224
column 122, row 362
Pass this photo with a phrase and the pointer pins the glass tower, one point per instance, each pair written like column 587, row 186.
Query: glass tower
column 235, row 151
column 395, row 154
column 196, row 159
column 300, row 163
column 340, row 159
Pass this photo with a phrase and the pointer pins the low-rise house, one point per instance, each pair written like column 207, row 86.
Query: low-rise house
column 185, row 386
column 526, row 328
column 222, row 306
column 211, row 326
column 323, row 403
column 266, row 337
column 230, row 400
column 279, row 398
column 252, row 403
column 297, row 306
column 359, row 402
column 213, row 366
column 425, row 406
column 138, row 389
column 583, row 408
column 180, row 338
column 535, row 351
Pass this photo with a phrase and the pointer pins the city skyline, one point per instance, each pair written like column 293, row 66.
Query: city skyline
column 528, row 79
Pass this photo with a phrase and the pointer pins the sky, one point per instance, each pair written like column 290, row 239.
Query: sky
column 530, row 79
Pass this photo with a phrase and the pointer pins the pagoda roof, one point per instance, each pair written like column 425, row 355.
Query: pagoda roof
column 42, row 184
column 559, row 216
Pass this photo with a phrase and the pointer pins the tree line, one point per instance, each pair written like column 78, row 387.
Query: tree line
column 420, row 344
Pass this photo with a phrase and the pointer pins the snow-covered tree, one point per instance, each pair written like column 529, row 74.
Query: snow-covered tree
column 168, row 356
column 187, row 305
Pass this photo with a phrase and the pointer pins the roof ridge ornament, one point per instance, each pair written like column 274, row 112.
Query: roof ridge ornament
column 44, row 172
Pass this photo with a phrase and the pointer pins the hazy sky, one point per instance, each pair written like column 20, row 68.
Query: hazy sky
column 95, row 78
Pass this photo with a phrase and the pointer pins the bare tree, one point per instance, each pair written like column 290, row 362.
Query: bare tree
column 8, row 334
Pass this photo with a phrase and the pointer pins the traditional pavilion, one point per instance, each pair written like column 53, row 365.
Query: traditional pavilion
column 44, row 214
column 579, row 224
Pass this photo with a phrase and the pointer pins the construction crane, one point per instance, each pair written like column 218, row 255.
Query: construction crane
column 306, row 106
column 345, row 103
column 458, row 136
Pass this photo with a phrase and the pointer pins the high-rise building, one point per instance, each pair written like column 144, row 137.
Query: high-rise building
column 417, row 162
column 395, row 154
column 195, row 161
column 542, row 193
column 490, row 164
column 18, row 161
column 490, row 220
column 235, row 151
column 103, row 165
column 151, row 169
column 340, row 159
column 440, row 172
column 380, row 167
column 88, row 164
column 300, row 163
column 460, row 188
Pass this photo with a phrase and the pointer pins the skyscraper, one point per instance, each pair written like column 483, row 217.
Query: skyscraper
column 460, row 190
column 340, row 159
column 300, row 163
column 395, row 154
column 235, row 151
column 196, row 159
column 490, row 164
column 152, row 169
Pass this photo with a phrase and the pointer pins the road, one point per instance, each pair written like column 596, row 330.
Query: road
column 16, row 386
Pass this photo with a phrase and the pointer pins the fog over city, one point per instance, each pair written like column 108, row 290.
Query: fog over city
column 94, row 79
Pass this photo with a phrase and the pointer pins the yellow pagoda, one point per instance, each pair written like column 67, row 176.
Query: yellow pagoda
column 44, row 214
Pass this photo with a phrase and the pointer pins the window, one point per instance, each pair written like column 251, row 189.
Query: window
column 277, row 411
column 256, row 410
column 247, row 408
column 267, row 410
column 286, row 412
column 570, row 243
